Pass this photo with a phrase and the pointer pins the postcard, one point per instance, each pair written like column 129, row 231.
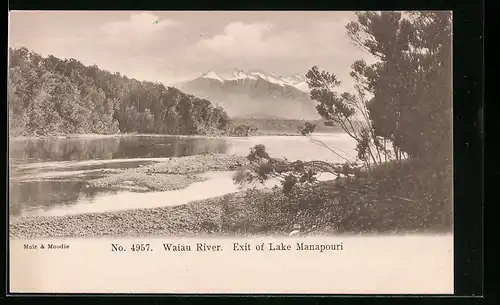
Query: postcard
column 255, row 152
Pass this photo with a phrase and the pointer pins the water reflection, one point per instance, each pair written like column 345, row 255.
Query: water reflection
column 35, row 169
column 72, row 197
column 45, row 195
column 37, row 150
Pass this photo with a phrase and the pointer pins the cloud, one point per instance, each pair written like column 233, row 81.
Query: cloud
column 134, row 33
column 133, row 45
column 236, row 34
column 138, row 28
column 243, row 40
column 263, row 40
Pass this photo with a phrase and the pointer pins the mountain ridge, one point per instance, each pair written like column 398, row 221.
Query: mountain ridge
column 247, row 93
column 294, row 80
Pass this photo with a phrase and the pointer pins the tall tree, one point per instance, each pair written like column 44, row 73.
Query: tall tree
column 410, row 82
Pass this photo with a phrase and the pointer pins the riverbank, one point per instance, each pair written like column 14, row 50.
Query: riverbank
column 245, row 213
column 408, row 201
column 67, row 136
column 125, row 135
column 258, row 133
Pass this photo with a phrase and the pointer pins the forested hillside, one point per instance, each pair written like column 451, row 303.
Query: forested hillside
column 50, row 96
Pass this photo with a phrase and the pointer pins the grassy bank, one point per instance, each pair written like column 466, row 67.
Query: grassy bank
column 403, row 199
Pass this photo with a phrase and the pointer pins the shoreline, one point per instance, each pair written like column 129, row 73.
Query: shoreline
column 126, row 135
column 236, row 214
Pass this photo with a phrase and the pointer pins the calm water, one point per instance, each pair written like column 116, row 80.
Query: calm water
column 47, row 176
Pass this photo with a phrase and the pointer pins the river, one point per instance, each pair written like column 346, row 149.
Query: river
column 47, row 177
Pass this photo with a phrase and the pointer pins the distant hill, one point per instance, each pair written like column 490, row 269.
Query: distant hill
column 254, row 94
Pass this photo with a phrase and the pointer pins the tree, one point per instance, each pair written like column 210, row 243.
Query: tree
column 347, row 110
column 433, row 53
column 146, row 122
column 16, row 91
column 57, row 107
column 411, row 80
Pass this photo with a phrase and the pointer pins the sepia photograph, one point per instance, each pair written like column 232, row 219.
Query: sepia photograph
column 146, row 139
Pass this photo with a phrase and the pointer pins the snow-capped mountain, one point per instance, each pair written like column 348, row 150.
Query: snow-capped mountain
column 295, row 80
column 254, row 93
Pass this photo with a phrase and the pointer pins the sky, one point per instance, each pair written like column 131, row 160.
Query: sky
column 174, row 46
